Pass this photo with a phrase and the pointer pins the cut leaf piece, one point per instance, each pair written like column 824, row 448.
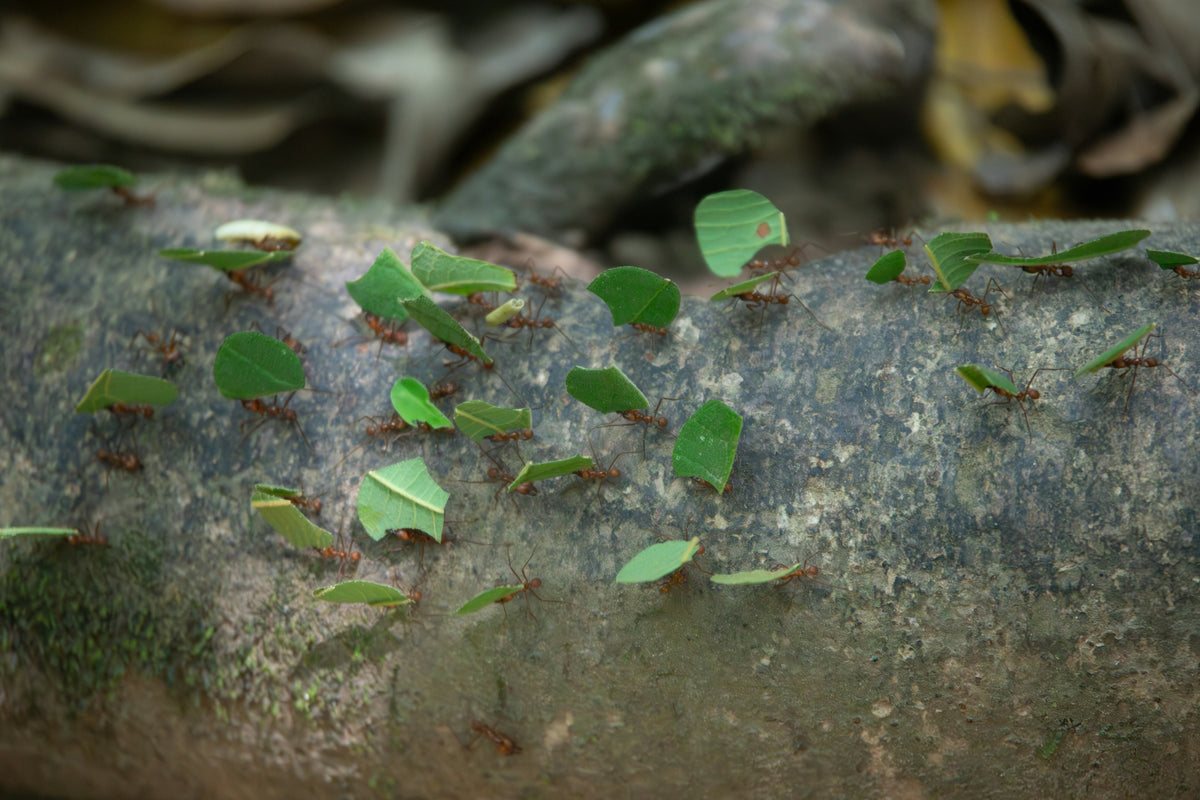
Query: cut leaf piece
column 983, row 378
column 633, row 294
column 505, row 312
column 948, row 254
column 376, row 595
column 114, row 386
column 730, row 292
column 1113, row 353
column 487, row 598
column 6, row 533
column 658, row 560
column 286, row 519
column 887, row 268
column 479, row 420
column 226, row 260
column 756, row 575
column 731, row 227
column 1170, row 259
column 93, row 176
column 707, row 443
column 443, row 327
column 402, row 495
column 411, row 400
column 262, row 235
column 1105, row 245
column 551, row 469
column 382, row 288
column 251, row 364
column 440, row 271
column 606, row 390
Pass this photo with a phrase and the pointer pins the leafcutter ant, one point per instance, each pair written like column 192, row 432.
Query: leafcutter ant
column 531, row 323
column 808, row 572
column 505, row 745
column 411, row 536
column 442, row 389
column 338, row 551
column 1182, row 271
column 1028, row 393
column 132, row 410
column 755, row 299
column 242, row 278
column 265, row 412
column 170, row 349
column 705, row 484
column 967, row 302
column 528, row 586
column 114, row 459
column 285, row 336
column 302, row 501
column 83, row 536
column 1137, row 361
column 637, row 416
column 885, row 239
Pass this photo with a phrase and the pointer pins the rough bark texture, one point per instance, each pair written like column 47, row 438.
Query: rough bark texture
column 1020, row 614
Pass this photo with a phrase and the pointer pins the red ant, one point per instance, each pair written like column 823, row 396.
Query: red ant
column 808, row 572
column 602, row 476
column 385, row 333
column 499, row 475
column 968, row 301
column 382, row 427
column 1182, row 271
column 83, row 536
column 755, row 299
column 466, row 356
column 884, row 239
column 522, row 434
column 132, row 410
column 1027, row 393
column 243, row 280
column 548, row 283
column 480, row 299
column 534, row 322
column 635, row 416
column 285, row 336
column 504, row 744
column 153, row 342
column 303, row 501
column 528, row 584
column 126, row 194
column 347, row 557
column 273, row 411
column 411, row 536
column 908, row 280
column 1136, row 361
column 114, row 459
column 701, row 482
column 646, row 329
column 440, row 389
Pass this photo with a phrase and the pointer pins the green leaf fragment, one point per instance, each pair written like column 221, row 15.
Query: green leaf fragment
column 731, row 227
column 443, row 327
column 402, row 495
column 887, row 268
column 286, row 519
column 551, row 469
column 1170, row 259
column 1103, row 246
column 226, row 260
column 478, row 420
column 633, row 294
column 983, row 378
column 730, row 292
column 753, row 576
column 251, row 364
column 376, row 595
column 1113, row 353
column 487, row 598
column 606, row 390
column 6, row 533
column 658, row 560
column 948, row 253
column 114, row 386
column 93, row 176
column 383, row 287
column 505, row 312
column 707, row 443
column 440, row 271
column 257, row 231
column 411, row 400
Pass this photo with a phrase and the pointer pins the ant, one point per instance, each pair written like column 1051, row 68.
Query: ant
column 480, row 299
column 528, row 584
column 132, row 410
column 499, row 475
column 602, row 476
column 384, row 332
column 909, row 280
column 466, row 356
column 310, row 504
column 1025, row 394
column 382, row 427
column 883, row 239
column 646, row 329
column 83, row 536
column 114, row 459
column 755, row 299
column 701, row 482
column 440, row 389
column 273, row 411
column 347, row 557
column 1182, row 271
column 548, row 283
column 521, row 321
column 154, row 342
column 808, row 572
column 243, row 280
column 521, row 434
column 635, row 416
column 504, row 744
column 410, row 536
column 1136, row 361
column 968, row 301
column 285, row 336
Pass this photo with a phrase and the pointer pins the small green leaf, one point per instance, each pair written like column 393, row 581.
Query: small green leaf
column 251, row 364
column 443, row 327
column 633, row 294
column 1170, row 259
column 6, row 533
column 93, row 176
column 983, row 378
column 551, row 469
column 479, row 420
column 606, row 390
column 502, row 314
column 410, row 398
column 376, row 595
column 732, row 226
column 402, row 495
column 707, row 443
column 756, row 576
column 730, row 292
column 1103, row 246
column 257, row 232
column 381, row 290
column 226, row 260
column 440, row 271
column 887, row 268
column 948, row 254
column 487, row 598
column 658, row 560
column 114, row 386
column 275, row 491
column 285, row 518
column 1115, row 352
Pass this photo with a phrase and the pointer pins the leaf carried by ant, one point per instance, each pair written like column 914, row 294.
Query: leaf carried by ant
column 257, row 231
column 707, row 443
column 440, row 271
column 382, row 288
column 551, row 469
column 487, row 598
column 402, row 495
column 732, row 226
column 478, row 420
column 1170, row 259
column 252, row 364
column 887, row 267
column 93, row 176
column 443, row 327
column 633, row 294
column 6, row 533
column 753, row 576
column 114, row 386
column 286, row 519
column 1113, row 353
column 1103, row 246
column 606, row 390
column 411, row 400
column 983, row 378
column 226, row 260
column 376, row 595
column 658, row 560
column 948, row 254
column 503, row 313
column 730, row 292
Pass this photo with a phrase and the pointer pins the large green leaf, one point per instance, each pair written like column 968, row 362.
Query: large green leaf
column 478, row 419
column 440, row 271
column 983, row 378
column 381, row 290
column 402, row 495
column 753, row 576
column 93, row 176
column 607, row 390
column 1113, row 353
column 487, row 598
column 1103, row 246
column 284, row 517
column 731, row 227
column 1170, row 259
column 551, row 469
column 633, row 294
column 730, row 292
column 252, row 364
column 226, row 260
column 443, row 327
column 887, row 268
column 411, row 400
column 658, row 560
column 376, row 595
column 948, row 253
column 707, row 443
column 114, row 386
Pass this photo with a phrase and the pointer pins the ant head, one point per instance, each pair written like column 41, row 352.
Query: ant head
column 700, row 550
column 494, row 474
column 527, row 488
column 289, row 415
column 1033, row 394
column 355, row 556
column 661, row 422
column 613, row 472
column 536, row 583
